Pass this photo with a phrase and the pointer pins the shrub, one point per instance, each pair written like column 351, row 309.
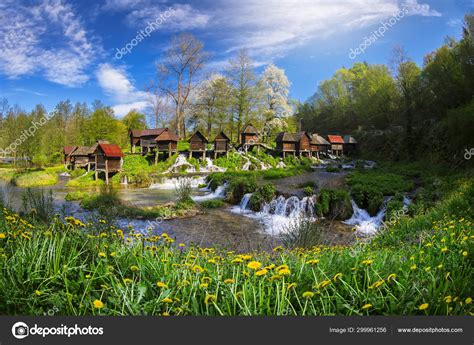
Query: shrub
column 334, row 204
column 76, row 195
column 308, row 191
column 215, row 203
column 303, row 233
column 183, row 190
column 261, row 196
column 76, row 173
column 239, row 186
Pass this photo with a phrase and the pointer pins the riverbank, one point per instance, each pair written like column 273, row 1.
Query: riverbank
column 421, row 265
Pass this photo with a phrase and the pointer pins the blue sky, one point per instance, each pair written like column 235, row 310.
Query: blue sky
column 54, row 50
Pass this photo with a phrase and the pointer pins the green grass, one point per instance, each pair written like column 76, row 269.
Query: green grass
column 85, row 181
column 216, row 203
column 76, row 195
column 420, row 266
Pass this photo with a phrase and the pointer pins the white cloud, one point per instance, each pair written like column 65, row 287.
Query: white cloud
column 454, row 23
column 116, row 84
column 48, row 39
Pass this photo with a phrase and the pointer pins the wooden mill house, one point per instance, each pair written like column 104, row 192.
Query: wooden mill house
column 319, row 145
column 221, row 144
column 198, row 143
column 337, row 144
column 108, row 159
column 249, row 137
column 350, row 145
column 154, row 141
column 286, row 143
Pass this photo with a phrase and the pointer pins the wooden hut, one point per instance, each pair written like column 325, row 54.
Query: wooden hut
column 145, row 139
column 350, row 145
column 337, row 144
column 286, row 143
column 82, row 157
column 108, row 159
column 66, row 154
column 249, row 137
column 221, row 144
column 198, row 143
column 166, row 141
column 319, row 145
column 303, row 143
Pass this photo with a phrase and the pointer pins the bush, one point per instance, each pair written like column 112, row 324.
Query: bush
column 303, row 233
column 308, row 191
column 334, row 204
column 215, row 203
column 40, row 160
column 75, row 196
column 262, row 195
column 183, row 190
column 239, row 186
column 84, row 181
column 76, row 173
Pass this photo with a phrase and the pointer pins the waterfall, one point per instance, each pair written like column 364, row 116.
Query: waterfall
column 279, row 213
column 171, row 183
column 210, row 167
column 124, row 180
column 219, row 193
column 180, row 162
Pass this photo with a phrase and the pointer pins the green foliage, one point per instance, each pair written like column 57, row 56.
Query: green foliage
column 368, row 188
column 394, row 206
column 239, row 186
column 38, row 203
column 262, row 195
column 85, row 181
column 215, row 203
column 76, row 196
column 35, row 178
column 304, row 233
column 183, row 146
column 334, row 204
column 308, row 191
column 77, row 172
column 332, row 169
column 183, row 190
column 137, row 170
column 39, row 160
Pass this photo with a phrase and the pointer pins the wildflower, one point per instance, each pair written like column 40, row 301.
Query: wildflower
column 134, row 268
column 254, row 265
column 366, row 306
column 197, row 269
column 88, row 276
column 127, row 281
column 98, row 304
column 391, row 277
column 448, row 299
column 203, row 285
column 324, row 283
column 181, row 245
column 229, row 281
column 367, row 262
column 237, row 261
column 291, row 286
column 308, row 294
column 2, row 236
column 337, row 276
column 261, row 272
column 102, row 255
column 468, row 300
column 423, row 306
column 376, row 284
column 165, row 314
column 284, row 272
column 209, row 298
column 161, row 285
column 38, row 292
column 276, row 277
column 444, row 250
column 312, row 262
column 413, row 267
column 246, row 257
column 440, row 266
column 464, row 253
column 167, row 300
column 427, row 269
column 278, row 249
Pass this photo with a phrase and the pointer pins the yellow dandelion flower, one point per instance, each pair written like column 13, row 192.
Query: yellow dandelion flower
column 423, row 306
column 291, row 285
column 448, row 299
column 127, row 280
column 261, row 272
column 282, row 267
column 229, row 281
column 254, row 265
column 324, row 283
column 308, row 294
column 468, row 300
column 391, row 277
column 167, row 300
column 464, row 253
column 366, row 306
column 2, row 236
column 427, row 269
column 413, row 267
column 197, row 269
column 161, row 285
column 237, row 261
column 209, row 299
column 276, row 277
column 337, row 276
column 134, row 268
column 367, row 262
column 102, row 255
column 444, row 250
column 38, row 292
column 203, row 285
column 98, row 304
column 312, row 262
column 88, row 276
column 284, row 272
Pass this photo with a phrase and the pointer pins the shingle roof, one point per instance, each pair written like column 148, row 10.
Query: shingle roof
column 222, row 136
column 200, row 135
column 299, row 135
column 335, row 139
column 167, row 135
column 285, row 136
column 82, row 151
column 136, row 133
column 318, row 140
column 349, row 140
column 249, row 129
column 111, row 150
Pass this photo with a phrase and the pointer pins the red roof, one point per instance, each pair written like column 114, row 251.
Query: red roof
column 69, row 149
column 111, row 150
column 335, row 139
